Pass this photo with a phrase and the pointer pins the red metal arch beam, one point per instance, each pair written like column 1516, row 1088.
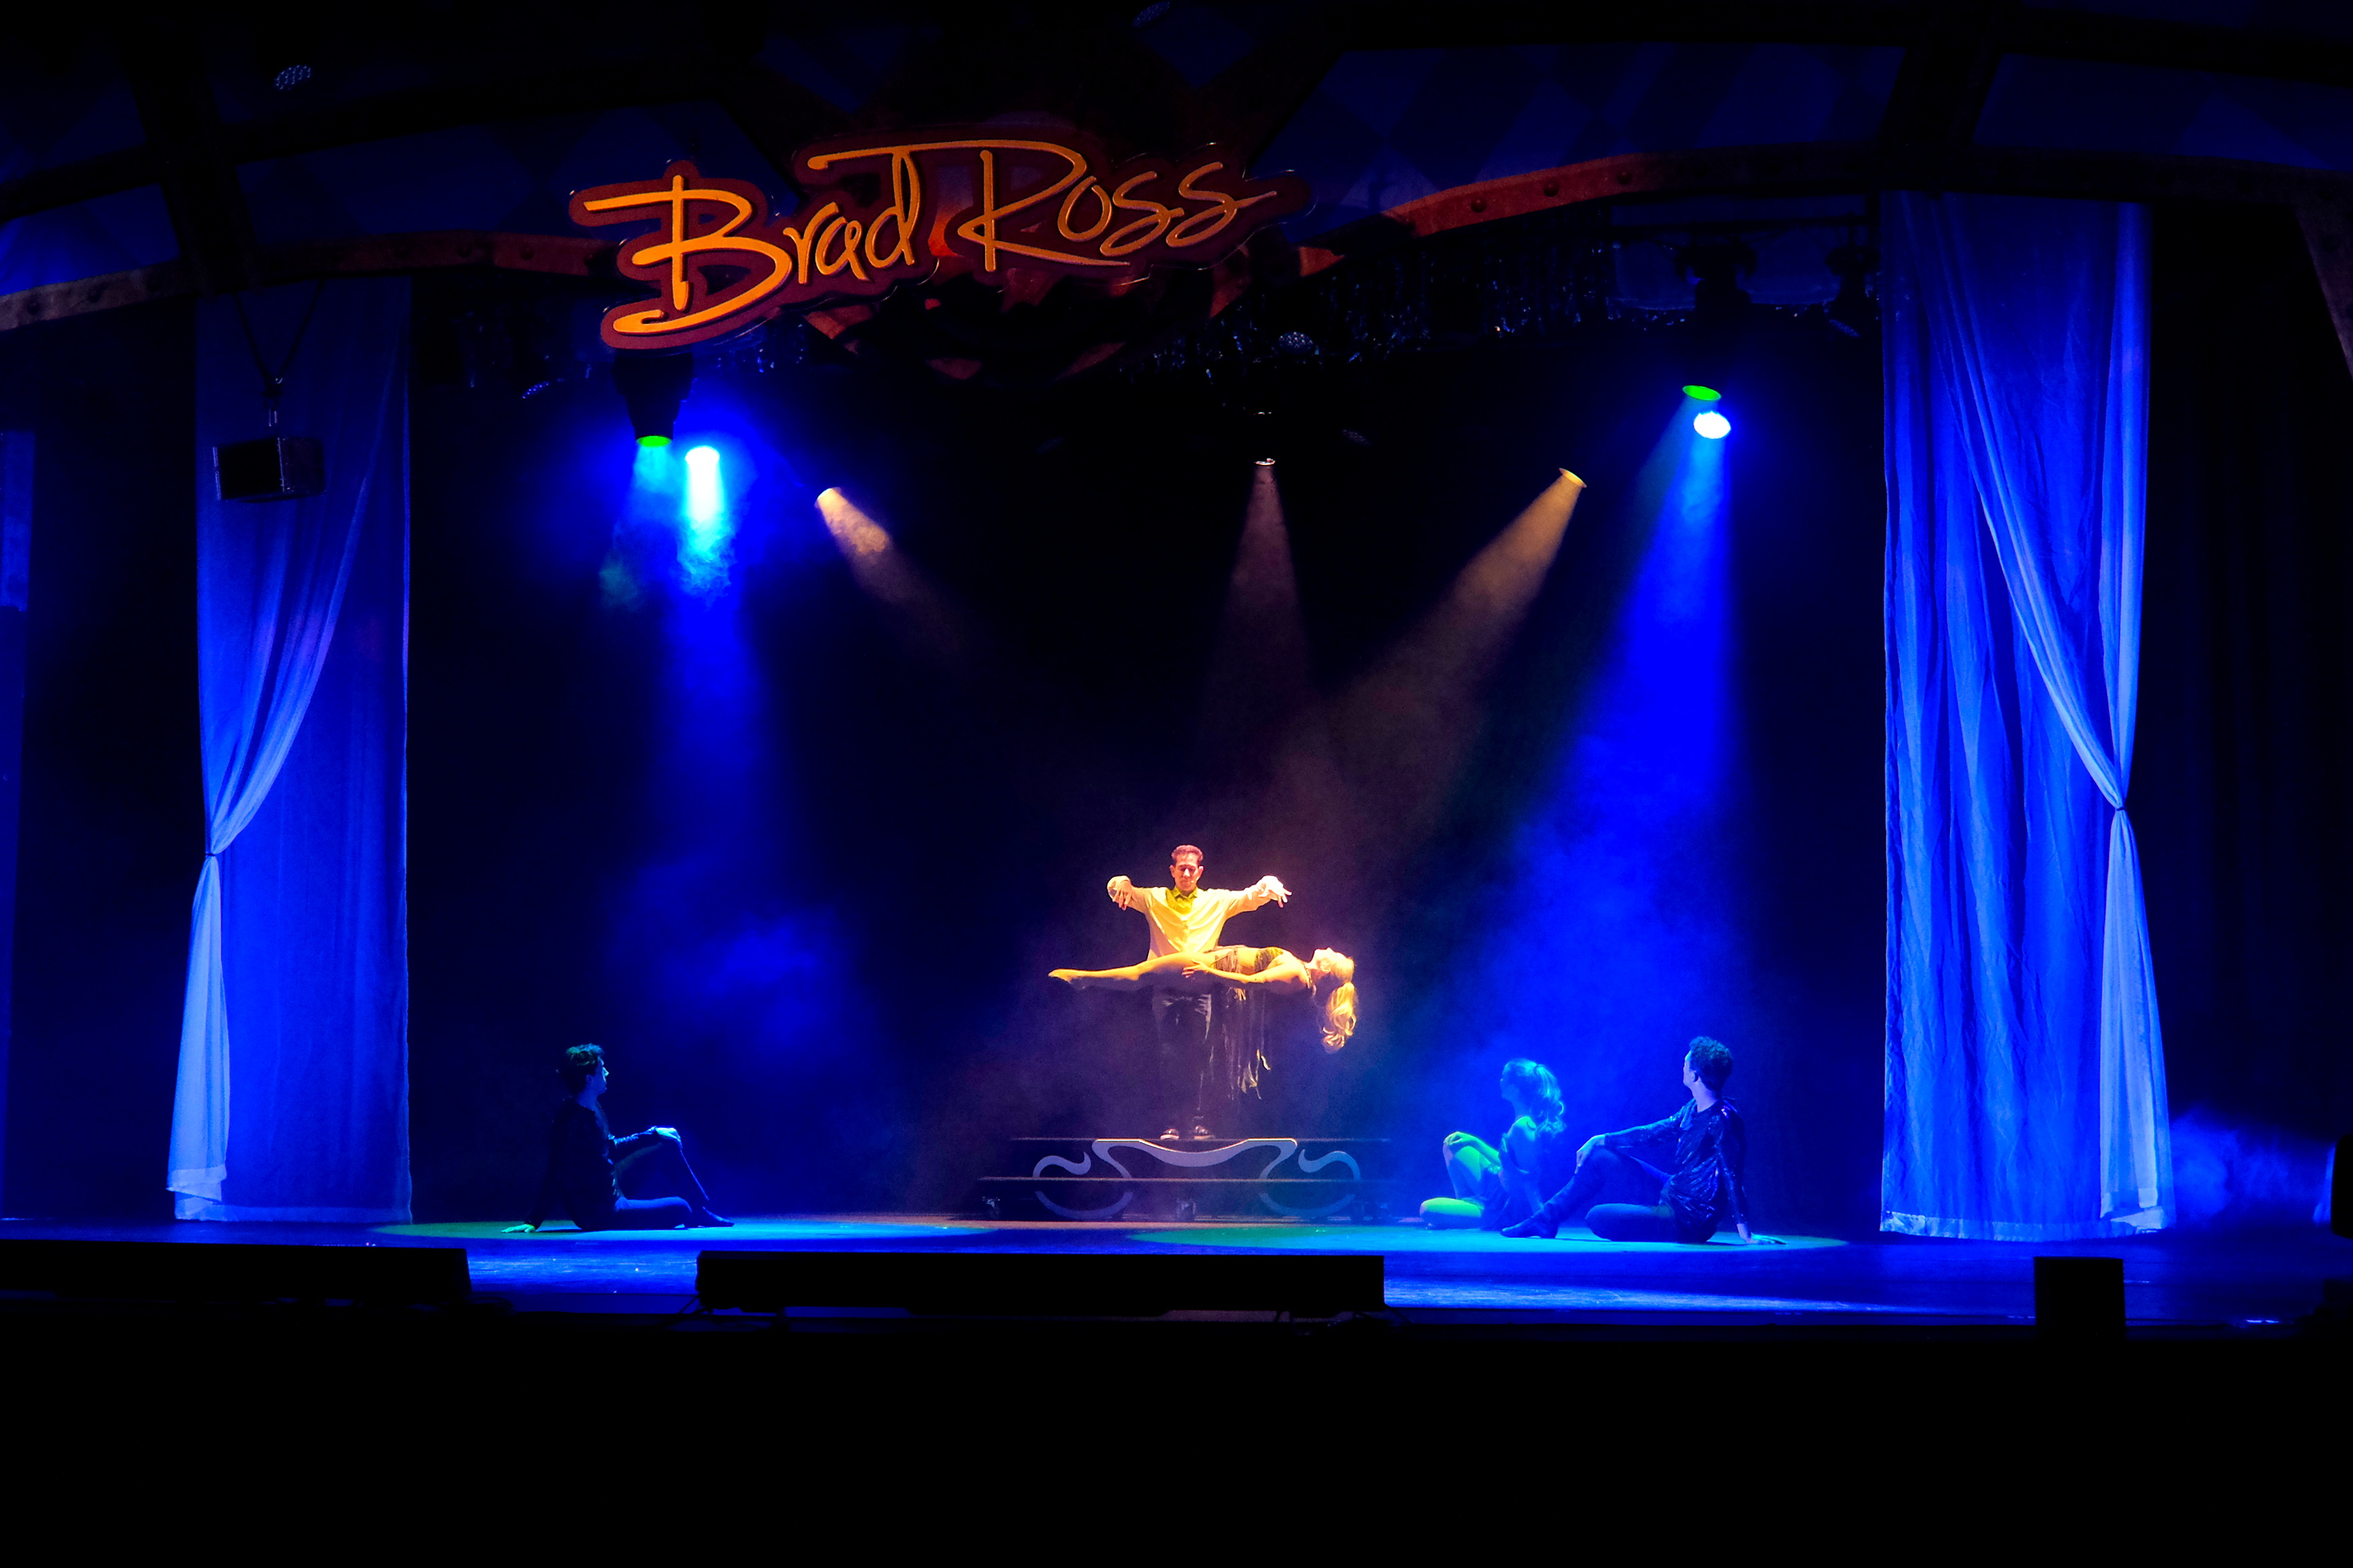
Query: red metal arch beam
column 561, row 254
column 1800, row 168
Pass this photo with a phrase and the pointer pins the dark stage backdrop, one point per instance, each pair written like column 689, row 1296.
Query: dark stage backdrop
column 112, row 814
column 2243, row 787
column 801, row 863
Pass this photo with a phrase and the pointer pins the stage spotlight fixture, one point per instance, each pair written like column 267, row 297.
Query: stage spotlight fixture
column 1716, row 266
column 1296, row 346
column 1266, row 462
column 1702, row 394
column 1149, row 14
column 1855, row 308
column 653, row 386
column 1712, row 425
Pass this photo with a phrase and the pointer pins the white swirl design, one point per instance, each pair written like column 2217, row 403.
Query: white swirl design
column 1124, row 1200
column 1281, row 1149
column 1195, row 1159
column 1311, row 1163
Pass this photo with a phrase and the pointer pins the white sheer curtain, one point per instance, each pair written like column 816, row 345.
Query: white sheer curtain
column 2022, row 999
column 270, row 584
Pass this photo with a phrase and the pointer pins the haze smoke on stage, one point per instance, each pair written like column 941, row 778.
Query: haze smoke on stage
column 923, row 613
column 1260, row 681
column 1407, row 725
column 1611, row 938
column 2227, row 1173
column 725, row 959
column 683, row 501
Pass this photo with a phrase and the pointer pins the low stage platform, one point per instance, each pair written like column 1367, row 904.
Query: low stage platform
column 2246, row 1282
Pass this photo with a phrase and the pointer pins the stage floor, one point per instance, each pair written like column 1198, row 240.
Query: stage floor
column 2234, row 1279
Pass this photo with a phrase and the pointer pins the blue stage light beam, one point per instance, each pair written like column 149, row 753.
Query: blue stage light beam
column 652, row 469
column 1407, row 725
column 1616, row 939
column 706, row 525
column 706, row 499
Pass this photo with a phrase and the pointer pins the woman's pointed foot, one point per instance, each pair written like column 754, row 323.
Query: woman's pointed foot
column 1536, row 1225
column 708, row 1218
column 1068, row 976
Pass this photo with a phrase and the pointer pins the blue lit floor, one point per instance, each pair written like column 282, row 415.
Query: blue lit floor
column 2189, row 1279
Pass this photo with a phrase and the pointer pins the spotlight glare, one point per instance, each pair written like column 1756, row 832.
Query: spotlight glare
column 704, row 500
column 1702, row 394
column 858, row 535
column 1712, row 425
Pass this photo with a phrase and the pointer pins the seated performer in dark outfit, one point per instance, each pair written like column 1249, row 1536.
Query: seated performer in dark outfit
column 1500, row 1183
column 586, row 1164
column 1688, row 1187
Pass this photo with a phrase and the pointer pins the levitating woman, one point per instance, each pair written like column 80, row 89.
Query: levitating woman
column 1242, row 980
column 1501, row 1183
column 586, row 1165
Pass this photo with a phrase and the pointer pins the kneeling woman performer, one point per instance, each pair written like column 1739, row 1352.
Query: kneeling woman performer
column 584, row 1175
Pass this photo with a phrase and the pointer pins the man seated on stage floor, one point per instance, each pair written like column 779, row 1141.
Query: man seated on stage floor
column 1689, row 1187
column 1186, row 918
column 584, row 1177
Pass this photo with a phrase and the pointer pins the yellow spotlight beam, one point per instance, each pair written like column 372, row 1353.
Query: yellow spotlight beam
column 1260, row 675
column 924, row 613
column 1406, row 725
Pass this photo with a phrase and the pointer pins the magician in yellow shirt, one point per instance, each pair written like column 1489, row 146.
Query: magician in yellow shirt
column 1187, row 917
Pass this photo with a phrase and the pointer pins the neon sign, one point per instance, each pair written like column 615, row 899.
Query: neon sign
column 888, row 209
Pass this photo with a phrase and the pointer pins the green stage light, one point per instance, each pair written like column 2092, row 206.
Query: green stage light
column 1702, row 394
column 653, row 386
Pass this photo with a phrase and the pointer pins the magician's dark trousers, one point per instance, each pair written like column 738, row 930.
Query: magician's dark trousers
column 1180, row 1028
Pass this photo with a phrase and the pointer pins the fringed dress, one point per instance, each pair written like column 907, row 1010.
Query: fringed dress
column 1238, row 1027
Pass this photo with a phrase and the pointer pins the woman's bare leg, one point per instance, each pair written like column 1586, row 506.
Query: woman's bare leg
column 1160, row 972
column 1468, row 1160
column 1467, row 1164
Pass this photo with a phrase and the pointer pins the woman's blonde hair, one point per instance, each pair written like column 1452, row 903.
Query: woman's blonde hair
column 1537, row 1090
column 1340, row 1006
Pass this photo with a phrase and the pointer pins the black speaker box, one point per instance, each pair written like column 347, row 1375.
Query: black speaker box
column 276, row 467
column 235, row 1271
column 1044, row 1284
column 2080, row 1301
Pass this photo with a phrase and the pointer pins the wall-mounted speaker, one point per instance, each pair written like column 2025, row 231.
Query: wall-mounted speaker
column 275, row 468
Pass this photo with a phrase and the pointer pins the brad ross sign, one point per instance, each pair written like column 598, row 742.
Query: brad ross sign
column 889, row 208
